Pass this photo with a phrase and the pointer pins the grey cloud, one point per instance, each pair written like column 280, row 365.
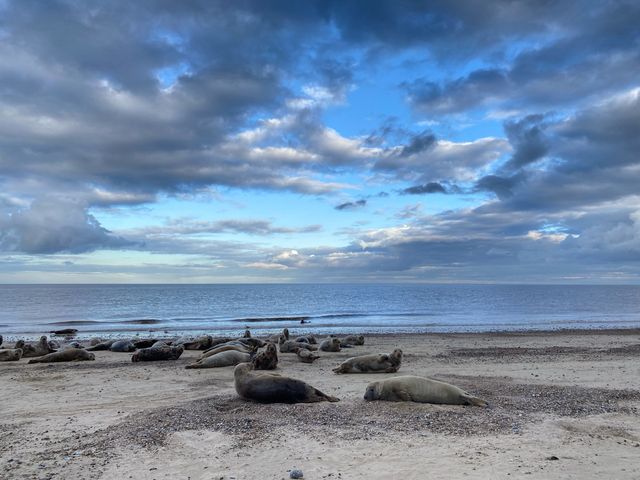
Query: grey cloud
column 431, row 187
column 351, row 205
column 55, row 225
column 419, row 143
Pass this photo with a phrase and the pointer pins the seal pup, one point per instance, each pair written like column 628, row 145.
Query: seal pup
column 224, row 359
column 289, row 346
column 122, row 346
column 352, row 340
column 161, row 352
column 106, row 345
column 410, row 388
column 267, row 359
column 306, row 356
column 267, row 387
column 68, row 355
column 330, row 344
column 10, row 354
column 35, row 350
column 381, row 363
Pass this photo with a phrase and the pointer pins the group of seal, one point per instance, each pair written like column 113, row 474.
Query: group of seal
column 252, row 356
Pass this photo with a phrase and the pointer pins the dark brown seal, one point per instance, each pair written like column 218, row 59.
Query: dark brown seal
column 67, row 355
column 152, row 354
column 267, row 387
column 267, row 359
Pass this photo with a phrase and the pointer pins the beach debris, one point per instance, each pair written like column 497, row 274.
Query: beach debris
column 296, row 473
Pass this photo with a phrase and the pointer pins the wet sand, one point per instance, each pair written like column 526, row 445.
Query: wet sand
column 563, row 405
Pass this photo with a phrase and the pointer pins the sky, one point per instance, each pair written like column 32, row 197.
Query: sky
column 364, row 141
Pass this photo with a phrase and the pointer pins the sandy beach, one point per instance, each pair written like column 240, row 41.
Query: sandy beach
column 563, row 405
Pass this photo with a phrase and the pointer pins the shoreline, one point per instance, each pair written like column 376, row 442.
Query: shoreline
column 573, row 396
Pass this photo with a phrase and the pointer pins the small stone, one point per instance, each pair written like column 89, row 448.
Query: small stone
column 553, row 457
column 296, row 474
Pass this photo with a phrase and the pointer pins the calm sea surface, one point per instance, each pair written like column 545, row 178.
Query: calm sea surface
column 112, row 309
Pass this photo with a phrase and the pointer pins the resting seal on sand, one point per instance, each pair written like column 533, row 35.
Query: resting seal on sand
column 144, row 343
column 276, row 338
column 223, row 359
column 289, row 346
column 122, row 346
column 10, row 354
column 68, row 355
column 35, row 350
column 239, row 347
column 267, row 359
column 418, row 389
column 352, row 340
column 330, row 344
column 267, row 387
column 200, row 343
column 307, row 339
column 152, row 354
column 306, row 356
column 106, row 345
column 65, row 331
column 378, row 363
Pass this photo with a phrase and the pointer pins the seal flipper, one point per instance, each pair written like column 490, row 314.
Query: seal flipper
column 329, row 398
column 475, row 401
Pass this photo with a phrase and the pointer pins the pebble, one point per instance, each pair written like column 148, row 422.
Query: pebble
column 296, row 474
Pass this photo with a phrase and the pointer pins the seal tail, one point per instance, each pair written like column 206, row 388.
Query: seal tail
column 475, row 401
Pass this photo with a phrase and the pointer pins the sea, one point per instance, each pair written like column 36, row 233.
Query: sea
column 161, row 310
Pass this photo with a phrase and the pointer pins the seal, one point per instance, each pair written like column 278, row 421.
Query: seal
column 352, row 340
column 330, row 344
column 226, row 347
column 223, row 359
column 289, row 346
column 199, row 343
column 267, row 387
column 10, row 354
column 266, row 359
column 410, row 388
column 35, row 350
column 0, row 340
column 247, row 333
column 144, row 343
column 122, row 346
column 306, row 356
column 161, row 352
column 106, row 345
column 381, row 363
column 68, row 355
column 276, row 338
column 65, row 331
column 307, row 339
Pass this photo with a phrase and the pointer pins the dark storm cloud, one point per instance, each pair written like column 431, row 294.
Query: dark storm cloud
column 596, row 53
column 431, row 187
column 351, row 205
column 419, row 143
column 51, row 226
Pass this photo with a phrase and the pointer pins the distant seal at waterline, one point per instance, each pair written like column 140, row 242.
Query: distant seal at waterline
column 161, row 352
column 377, row 363
column 410, row 388
column 67, row 355
column 223, row 359
column 266, row 359
column 10, row 354
column 330, row 344
column 268, row 387
column 65, row 331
